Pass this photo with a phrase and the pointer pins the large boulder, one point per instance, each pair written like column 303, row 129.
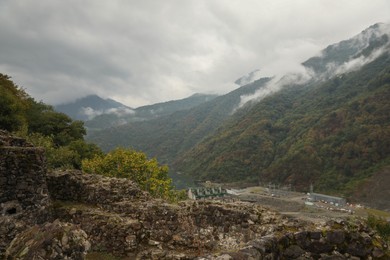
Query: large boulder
column 55, row 240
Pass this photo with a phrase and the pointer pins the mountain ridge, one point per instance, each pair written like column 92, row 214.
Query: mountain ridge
column 147, row 112
column 288, row 141
column 90, row 106
column 298, row 132
column 166, row 136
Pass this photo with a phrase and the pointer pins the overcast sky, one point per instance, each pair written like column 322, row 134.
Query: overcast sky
column 148, row 51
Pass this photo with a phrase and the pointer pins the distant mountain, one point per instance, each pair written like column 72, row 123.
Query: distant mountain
column 168, row 136
column 145, row 113
column 352, row 53
column 334, row 133
column 91, row 106
column 332, row 130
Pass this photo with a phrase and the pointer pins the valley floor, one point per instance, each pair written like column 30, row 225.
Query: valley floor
column 295, row 204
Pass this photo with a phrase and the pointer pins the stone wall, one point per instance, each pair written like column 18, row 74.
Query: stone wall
column 26, row 227
column 22, row 179
column 24, row 198
column 92, row 189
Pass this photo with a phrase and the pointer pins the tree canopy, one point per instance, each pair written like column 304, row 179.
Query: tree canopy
column 133, row 165
column 41, row 125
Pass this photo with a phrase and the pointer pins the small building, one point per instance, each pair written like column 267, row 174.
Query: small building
column 206, row 193
column 338, row 201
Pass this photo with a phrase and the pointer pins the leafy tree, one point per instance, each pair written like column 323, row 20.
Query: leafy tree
column 62, row 138
column 127, row 163
column 12, row 105
column 84, row 151
column 69, row 156
column 43, row 119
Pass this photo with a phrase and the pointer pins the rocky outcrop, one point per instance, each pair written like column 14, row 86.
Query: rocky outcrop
column 55, row 240
column 93, row 189
column 62, row 215
column 128, row 222
column 335, row 240
column 138, row 227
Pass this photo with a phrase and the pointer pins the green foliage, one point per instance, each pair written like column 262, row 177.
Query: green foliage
column 62, row 138
column 168, row 136
column 145, row 113
column 381, row 225
column 133, row 165
column 43, row 119
column 67, row 156
column 177, row 195
column 12, row 105
column 84, row 151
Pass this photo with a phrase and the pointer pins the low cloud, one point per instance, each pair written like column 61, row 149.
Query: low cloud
column 120, row 112
column 144, row 52
column 299, row 74
column 276, row 84
column 359, row 62
column 90, row 112
column 248, row 78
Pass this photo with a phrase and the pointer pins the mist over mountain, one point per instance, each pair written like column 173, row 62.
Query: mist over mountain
column 351, row 54
column 327, row 125
column 249, row 78
column 331, row 131
column 144, row 113
column 168, row 136
column 91, row 106
column 336, row 59
column 322, row 133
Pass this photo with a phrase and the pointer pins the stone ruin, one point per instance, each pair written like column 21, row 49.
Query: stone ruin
column 65, row 214
column 26, row 207
column 22, row 180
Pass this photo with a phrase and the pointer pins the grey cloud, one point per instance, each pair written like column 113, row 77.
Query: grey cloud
column 142, row 52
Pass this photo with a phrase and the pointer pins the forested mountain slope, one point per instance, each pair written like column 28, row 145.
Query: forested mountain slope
column 88, row 107
column 329, row 127
column 332, row 134
column 168, row 136
column 144, row 113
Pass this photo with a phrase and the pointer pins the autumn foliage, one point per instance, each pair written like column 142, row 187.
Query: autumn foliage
column 133, row 165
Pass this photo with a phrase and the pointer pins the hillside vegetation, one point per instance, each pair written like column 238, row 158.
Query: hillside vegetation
column 65, row 148
column 167, row 137
column 332, row 134
column 120, row 117
column 41, row 125
column 332, row 131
